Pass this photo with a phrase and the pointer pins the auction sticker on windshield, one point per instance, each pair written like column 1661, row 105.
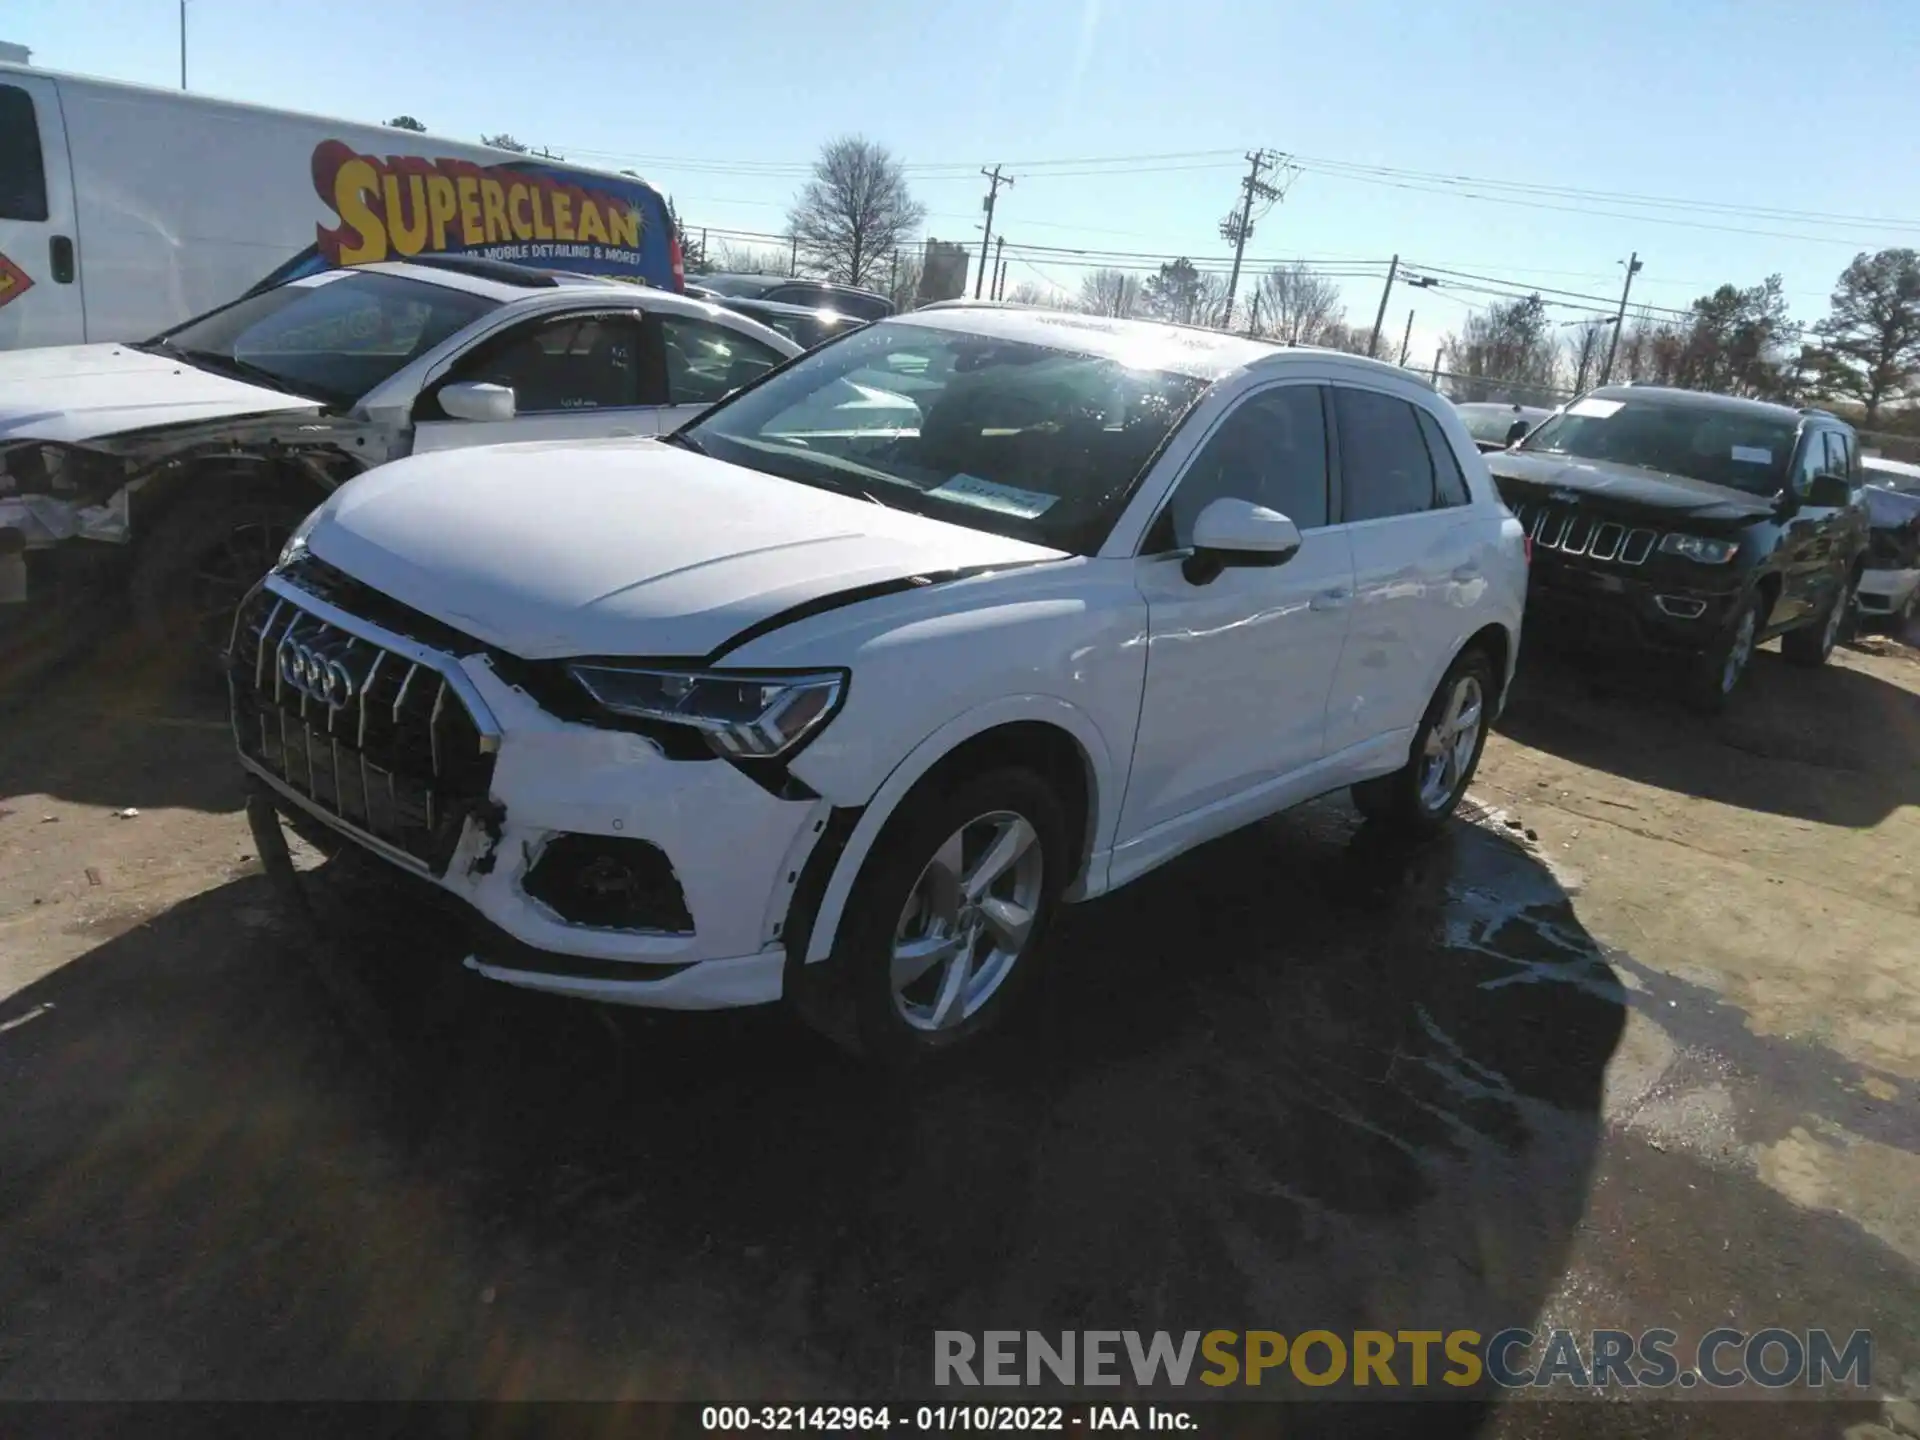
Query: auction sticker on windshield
column 1596, row 409
column 1753, row 454
column 990, row 495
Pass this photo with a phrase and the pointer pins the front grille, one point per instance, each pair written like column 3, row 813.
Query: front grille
column 377, row 740
column 1559, row 527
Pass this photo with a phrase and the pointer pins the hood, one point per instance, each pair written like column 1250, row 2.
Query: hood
column 1627, row 489
column 76, row 393
column 622, row 547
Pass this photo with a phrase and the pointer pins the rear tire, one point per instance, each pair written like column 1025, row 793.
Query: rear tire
column 943, row 929
column 1418, row 798
column 1812, row 644
column 199, row 562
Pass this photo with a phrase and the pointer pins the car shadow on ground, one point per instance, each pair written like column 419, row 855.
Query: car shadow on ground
column 85, row 733
column 1302, row 1078
column 1848, row 742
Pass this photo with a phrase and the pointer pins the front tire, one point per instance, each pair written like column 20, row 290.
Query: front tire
column 1717, row 671
column 944, row 924
column 1418, row 798
column 200, row 562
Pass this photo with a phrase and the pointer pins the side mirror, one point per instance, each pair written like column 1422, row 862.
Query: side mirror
column 476, row 400
column 1830, row 490
column 1517, row 432
column 1238, row 532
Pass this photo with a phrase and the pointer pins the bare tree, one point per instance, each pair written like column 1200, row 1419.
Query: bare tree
column 504, row 141
column 1185, row 295
column 1109, row 292
column 906, row 272
column 1503, row 350
column 1298, row 306
column 855, row 211
column 1582, row 351
column 724, row 257
column 1032, row 292
column 406, row 122
column 1871, row 349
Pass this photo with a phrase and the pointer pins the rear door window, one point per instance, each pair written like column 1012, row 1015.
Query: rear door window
column 574, row 362
column 1450, row 485
column 1385, row 467
column 23, row 170
column 705, row 362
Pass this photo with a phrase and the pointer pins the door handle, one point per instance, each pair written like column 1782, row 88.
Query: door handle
column 60, row 259
column 1334, row 599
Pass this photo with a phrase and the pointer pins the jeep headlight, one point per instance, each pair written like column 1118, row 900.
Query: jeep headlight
column 741, row 716
column 1700, row 547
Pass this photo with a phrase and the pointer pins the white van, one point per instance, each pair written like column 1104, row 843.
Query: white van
column 126, row 209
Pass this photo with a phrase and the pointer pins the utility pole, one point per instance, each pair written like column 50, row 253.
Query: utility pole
column 893, row 273
column 1434, row 378
column 995, row 181
column 999, row 267
column 1380, row 315
column 183, row 44
column 1406, row 340
column 793, row 255
column 1253, row 315
column 1238, row 227
column 1620, row 320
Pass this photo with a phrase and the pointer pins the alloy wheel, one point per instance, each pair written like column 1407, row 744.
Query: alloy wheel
column 1836, row 615
column 1738, row 653
column 967, row 920
column 1451, row 743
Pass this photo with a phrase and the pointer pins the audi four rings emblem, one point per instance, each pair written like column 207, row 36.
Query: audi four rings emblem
column 316, row 675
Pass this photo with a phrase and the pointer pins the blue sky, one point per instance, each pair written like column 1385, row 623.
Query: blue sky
column 1755, row 106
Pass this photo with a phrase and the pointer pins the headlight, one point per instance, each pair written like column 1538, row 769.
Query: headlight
column 741, row 715
column 1700, row 548
column 296, row 545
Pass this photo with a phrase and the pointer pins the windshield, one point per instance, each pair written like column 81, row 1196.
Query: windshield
column 1699, row 442
column 1490, row 425
column 1021, row 440
column 333, row 337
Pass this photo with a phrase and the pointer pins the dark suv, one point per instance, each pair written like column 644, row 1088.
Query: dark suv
column 789, row 290
column 1699, row 524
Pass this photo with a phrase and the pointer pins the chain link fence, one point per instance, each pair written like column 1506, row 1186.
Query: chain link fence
column 1470, row 389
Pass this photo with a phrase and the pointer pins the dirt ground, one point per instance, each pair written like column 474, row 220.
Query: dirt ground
column 1638, row 1044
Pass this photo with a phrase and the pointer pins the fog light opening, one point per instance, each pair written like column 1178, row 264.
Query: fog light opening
column 606, row 882
column 1681, row 607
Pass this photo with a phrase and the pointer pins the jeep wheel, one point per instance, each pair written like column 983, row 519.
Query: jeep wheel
column 942, row 927
column 1718, row 669
column 1812, row 644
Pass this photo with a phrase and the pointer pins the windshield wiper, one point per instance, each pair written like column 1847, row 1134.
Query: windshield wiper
column 235, row 366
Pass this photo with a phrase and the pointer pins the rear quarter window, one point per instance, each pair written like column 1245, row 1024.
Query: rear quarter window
column 23, row 171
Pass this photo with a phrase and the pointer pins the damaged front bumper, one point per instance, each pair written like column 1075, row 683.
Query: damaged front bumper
column 586, row 861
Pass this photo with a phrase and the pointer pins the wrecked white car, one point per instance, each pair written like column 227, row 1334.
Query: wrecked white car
column 1889, row 589
column 190, row 458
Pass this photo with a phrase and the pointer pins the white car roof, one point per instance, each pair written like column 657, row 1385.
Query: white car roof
column 1148, row 344
column 572, row 287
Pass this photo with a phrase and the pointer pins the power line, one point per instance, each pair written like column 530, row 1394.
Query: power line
column 1567, row 192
